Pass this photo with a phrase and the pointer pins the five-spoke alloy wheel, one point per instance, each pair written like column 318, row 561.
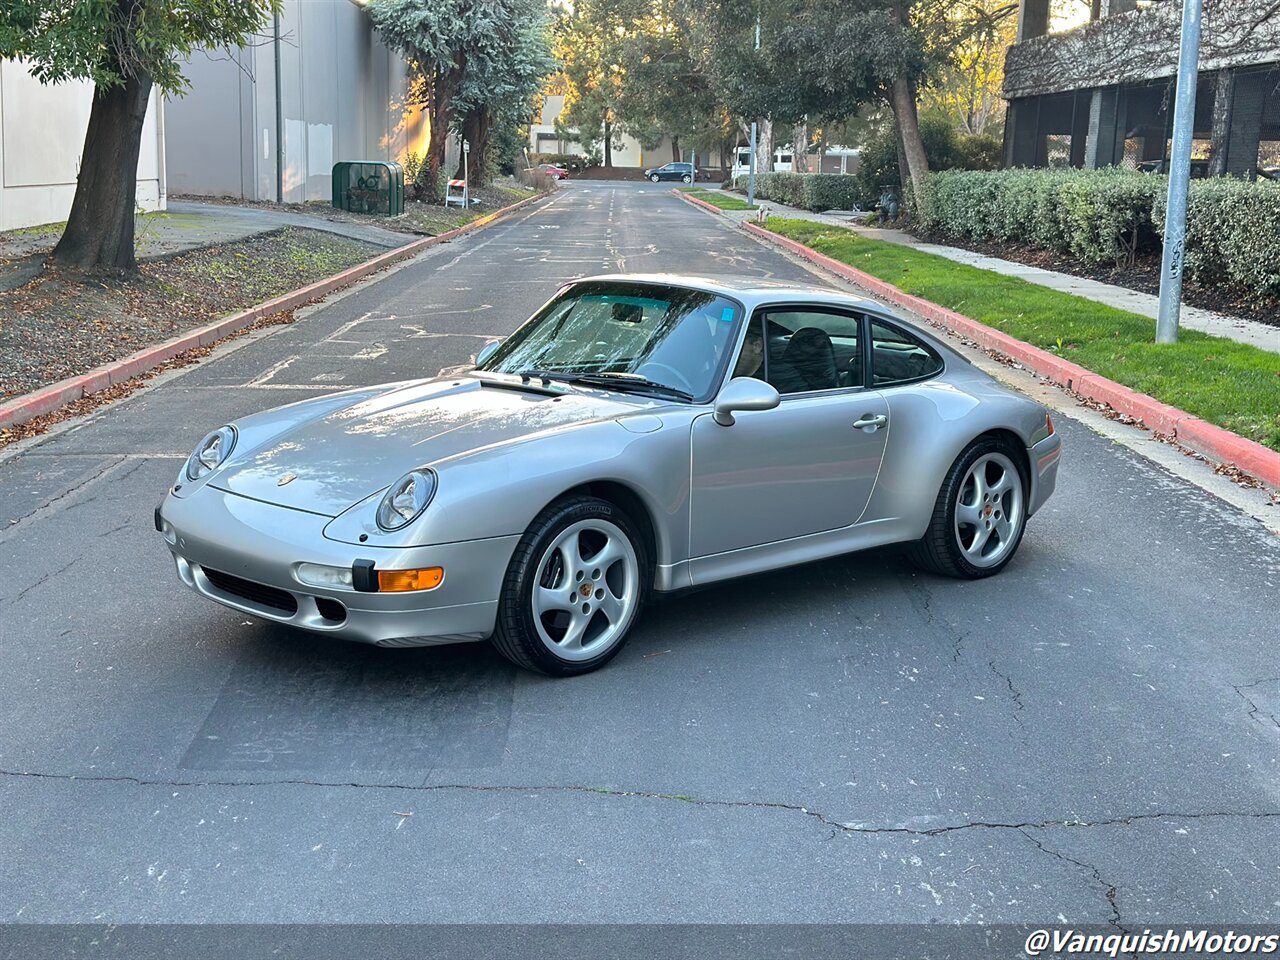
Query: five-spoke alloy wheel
column 979, row 515
column 573, row 589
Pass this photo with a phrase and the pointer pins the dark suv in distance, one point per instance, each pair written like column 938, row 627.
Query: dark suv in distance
column 671, row 171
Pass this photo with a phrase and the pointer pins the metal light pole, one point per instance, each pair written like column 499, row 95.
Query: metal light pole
column 466, row 176
column 751, row 168
column 1175, row 221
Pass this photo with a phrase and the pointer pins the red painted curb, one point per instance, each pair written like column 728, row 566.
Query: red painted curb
column 1203, row 438
column 19, row 410
column 710, row 207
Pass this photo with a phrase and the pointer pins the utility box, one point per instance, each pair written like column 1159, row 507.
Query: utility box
column 369, row 186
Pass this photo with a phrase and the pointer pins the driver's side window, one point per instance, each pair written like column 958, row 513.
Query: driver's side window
column 808, row 350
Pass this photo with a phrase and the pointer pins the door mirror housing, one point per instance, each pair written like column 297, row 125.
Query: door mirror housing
column 744, row 393
column 487, row 351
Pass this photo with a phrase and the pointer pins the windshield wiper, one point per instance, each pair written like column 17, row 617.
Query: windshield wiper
column 632, row 381
column 614, row 381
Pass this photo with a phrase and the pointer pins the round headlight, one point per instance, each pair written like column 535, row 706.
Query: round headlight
column 406, row 499
column 211, row 452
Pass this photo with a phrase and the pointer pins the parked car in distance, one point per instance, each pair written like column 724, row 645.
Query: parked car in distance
column 671, row 171
column 552, row 171
column 640, row 435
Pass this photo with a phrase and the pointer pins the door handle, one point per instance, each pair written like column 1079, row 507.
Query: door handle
column 871, row 424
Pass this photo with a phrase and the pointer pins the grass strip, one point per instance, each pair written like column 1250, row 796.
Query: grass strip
column 1233, row 385
column 717, row 198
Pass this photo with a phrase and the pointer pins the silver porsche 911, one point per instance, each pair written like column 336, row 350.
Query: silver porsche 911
column 638, row 435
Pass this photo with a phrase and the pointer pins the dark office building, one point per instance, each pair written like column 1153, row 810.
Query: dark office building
column 1103, row 93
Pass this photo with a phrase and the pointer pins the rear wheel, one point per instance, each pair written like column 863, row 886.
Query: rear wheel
column 573, row 589
column 687, row 179
column 979, row 516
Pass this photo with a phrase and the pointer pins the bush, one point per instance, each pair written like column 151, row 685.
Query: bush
column 1095, row 215
column 809, row 191
column 1233, row 234
column 1100, row 216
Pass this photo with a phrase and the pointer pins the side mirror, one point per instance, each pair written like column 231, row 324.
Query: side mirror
column 744, row 393
column 487, row 351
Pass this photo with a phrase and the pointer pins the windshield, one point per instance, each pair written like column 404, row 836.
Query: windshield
column 636, row 336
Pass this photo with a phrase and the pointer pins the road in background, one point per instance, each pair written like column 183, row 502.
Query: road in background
column 1089, row 737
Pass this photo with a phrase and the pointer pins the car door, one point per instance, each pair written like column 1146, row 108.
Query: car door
column 808, row 465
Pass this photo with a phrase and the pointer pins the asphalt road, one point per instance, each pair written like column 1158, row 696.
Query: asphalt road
column 1089, row 738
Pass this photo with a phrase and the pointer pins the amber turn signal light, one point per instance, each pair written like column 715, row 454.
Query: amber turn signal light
column 400, row 581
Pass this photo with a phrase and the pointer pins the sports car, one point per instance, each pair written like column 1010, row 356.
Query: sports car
column 639, row 435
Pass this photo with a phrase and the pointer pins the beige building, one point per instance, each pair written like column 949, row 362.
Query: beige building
column 42, row 132
column 544, row 139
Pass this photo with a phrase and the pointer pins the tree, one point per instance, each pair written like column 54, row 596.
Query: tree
column 434, row 36
column 663, row 91
column 508, row 60
column 966, row 88
column 124, row 48
column 589, row 43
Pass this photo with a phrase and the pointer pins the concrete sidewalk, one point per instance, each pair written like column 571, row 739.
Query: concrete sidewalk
column 1144, row 304
column 189, row 224
column 183, row 226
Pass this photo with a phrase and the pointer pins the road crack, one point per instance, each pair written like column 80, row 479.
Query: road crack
column 1109, row 889
column 847, row 827
column 1256, row 712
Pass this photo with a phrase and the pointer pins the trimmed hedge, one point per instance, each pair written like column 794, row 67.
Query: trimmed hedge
column 1100, row 216
column 1233, row 234
column 808, row 191
column 1095, row 215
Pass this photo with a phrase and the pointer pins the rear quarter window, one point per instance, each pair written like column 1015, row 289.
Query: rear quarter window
column 898, row 357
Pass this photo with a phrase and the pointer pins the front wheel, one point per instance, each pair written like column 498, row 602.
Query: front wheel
column 979, row 516
column 654, row 178
column 573, row 588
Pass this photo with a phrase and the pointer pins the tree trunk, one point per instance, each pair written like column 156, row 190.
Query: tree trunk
column 904, row 176
column 443, row 87
column 903, row 100
column 1224, row 93
column 608, row 144
column 764, row 147
column 99, row 232
column 475, row 131
column 799, row 146
column 675, row 148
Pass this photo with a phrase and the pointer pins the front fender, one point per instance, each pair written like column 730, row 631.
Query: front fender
column 498, row 491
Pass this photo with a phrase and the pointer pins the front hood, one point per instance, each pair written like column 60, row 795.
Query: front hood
column 349, row 454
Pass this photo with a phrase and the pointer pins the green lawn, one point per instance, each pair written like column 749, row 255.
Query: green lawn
column 1231, row 384
column 717, row 198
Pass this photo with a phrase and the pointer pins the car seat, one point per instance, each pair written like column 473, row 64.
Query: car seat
column 813, row 358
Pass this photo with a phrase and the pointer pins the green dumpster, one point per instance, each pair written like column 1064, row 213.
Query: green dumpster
column 369, row 186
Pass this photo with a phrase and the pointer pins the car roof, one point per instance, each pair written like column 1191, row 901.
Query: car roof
column 752, row 291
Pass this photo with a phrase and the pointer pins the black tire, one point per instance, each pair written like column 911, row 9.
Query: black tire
column 687, row 179
column 938, row 550
column 516, row 635
column 654, row 178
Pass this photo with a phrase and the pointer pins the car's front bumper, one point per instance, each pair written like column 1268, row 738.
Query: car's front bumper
column 244, row 554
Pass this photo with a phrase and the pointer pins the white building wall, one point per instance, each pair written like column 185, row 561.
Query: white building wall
column 42, row 132
column 343, row 97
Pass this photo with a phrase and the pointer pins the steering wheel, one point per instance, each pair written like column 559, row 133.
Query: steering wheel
column 676, row 378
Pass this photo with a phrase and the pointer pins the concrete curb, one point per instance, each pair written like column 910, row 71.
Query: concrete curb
column 1206, row 439
column 27, row 407
column 709, row 207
